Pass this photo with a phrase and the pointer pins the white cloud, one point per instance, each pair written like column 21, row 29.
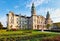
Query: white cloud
column 43, row 11
column 54, row 13
column 36, row 2
column 3, row 21
column 7, row 10
column 16, row 6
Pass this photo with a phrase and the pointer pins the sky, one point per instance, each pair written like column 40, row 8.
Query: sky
column 23, row 7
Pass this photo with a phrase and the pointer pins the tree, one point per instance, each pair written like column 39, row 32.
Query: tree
column 48, row 25
column 1, row 26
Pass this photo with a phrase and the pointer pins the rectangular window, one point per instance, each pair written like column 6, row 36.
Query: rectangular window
column 17, row 22
column 12, row 20
column 41, row 22
column 17, row 18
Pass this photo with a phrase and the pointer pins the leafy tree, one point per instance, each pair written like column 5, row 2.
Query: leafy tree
column 1, row 26
column 48, row 25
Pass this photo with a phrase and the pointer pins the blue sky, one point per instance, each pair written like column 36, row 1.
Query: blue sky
column 24, row 7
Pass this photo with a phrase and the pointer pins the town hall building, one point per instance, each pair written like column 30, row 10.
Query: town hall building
column 35, row 22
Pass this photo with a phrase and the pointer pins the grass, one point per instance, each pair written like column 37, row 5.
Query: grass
column 27, row 34
column 23, row 31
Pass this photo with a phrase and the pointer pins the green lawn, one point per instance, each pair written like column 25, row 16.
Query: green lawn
column 24, row 32
column 27, row 34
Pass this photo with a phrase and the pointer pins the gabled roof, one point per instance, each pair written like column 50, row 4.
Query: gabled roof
column 16, row 15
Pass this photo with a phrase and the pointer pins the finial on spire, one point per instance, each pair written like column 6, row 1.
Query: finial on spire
column 33, row 5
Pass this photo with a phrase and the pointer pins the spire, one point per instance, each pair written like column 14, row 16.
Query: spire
column 48, row 15
column 33, row 12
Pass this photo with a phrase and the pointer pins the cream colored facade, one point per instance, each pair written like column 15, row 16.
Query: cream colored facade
column 12, row 21
column 35, row 22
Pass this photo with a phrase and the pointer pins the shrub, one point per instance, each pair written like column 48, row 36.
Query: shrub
column 14, row 29
column 27, row 31
column 57, row 38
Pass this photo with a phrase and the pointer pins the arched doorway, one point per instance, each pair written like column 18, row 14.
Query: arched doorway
column 38, row 27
